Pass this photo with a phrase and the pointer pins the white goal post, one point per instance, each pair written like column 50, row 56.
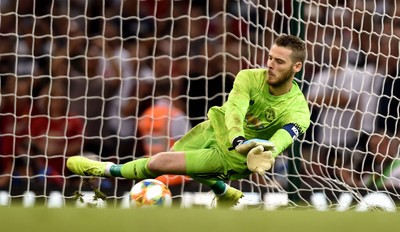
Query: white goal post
column 77, row 77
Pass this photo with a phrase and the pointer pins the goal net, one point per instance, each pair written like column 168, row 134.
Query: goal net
column 82, row 78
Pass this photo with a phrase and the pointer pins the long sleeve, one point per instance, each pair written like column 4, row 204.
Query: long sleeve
column 237, row 105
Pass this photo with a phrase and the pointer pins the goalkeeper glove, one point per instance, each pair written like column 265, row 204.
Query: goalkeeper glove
column 241, row 145
column 244, row 146
column 259, row 160
column 267, row 145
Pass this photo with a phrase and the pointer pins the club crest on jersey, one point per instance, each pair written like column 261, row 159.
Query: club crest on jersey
column 270, row 114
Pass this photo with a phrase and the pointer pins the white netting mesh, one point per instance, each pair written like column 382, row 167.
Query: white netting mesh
column 77, row 76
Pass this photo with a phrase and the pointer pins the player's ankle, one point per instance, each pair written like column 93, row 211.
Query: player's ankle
column 220, row 188
column 112, row 170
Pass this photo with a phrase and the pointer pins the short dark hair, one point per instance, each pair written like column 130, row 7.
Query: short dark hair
column 295, row 44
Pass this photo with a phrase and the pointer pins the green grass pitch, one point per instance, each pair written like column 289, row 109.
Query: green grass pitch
column 71, row 219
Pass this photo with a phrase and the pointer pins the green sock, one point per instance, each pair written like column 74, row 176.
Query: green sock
column 219, row 187
column 115, row 170
column 136, row 170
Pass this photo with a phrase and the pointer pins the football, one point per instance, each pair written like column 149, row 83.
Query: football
column 150, row 193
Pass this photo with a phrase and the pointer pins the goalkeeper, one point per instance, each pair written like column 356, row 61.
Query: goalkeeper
column 264, row 113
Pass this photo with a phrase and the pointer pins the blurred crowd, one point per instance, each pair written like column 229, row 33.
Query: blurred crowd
column 353, row 88
column 77, row 77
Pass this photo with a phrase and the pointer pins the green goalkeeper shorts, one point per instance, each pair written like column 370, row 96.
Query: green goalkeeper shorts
column 207, row 159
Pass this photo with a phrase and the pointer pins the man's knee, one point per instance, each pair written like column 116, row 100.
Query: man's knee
column 154, row 164
column 167, row 163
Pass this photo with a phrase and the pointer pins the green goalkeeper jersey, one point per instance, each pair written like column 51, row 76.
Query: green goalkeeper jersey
column 251, row 111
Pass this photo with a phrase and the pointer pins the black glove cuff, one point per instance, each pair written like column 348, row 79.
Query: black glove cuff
column 238, row 140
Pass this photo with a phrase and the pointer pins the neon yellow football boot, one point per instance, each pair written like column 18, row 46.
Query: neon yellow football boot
column 86, row 167
column 230, row 198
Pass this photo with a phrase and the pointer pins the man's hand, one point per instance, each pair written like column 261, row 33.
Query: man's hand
column 244, row 146
column 267, row 145
column 259, row 160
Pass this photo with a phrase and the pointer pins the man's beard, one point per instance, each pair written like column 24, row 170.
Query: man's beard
column 282, row 79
